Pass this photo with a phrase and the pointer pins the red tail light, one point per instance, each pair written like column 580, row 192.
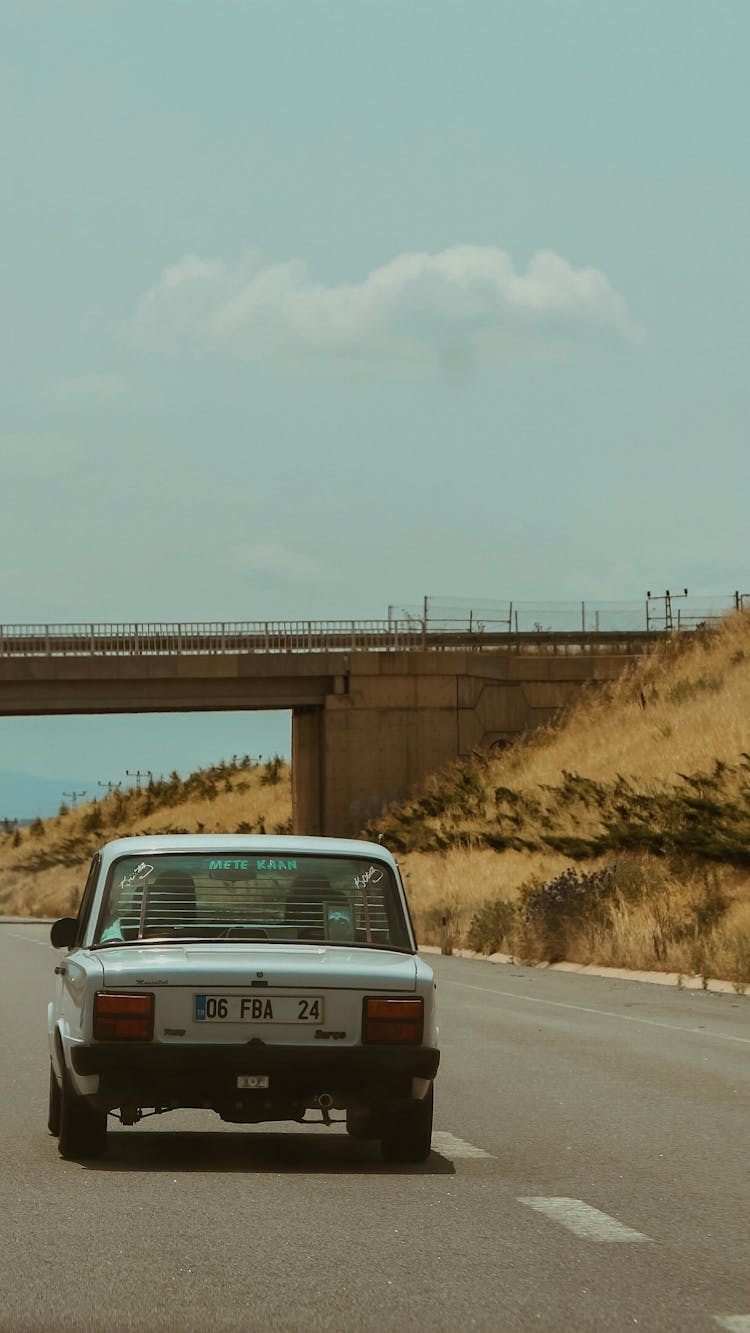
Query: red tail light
column 123, row 1017
column 392, row 1020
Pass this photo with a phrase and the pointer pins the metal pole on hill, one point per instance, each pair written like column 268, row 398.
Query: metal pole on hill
column 73, row 796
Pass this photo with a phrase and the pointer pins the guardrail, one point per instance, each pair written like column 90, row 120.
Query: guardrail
column 297, row 636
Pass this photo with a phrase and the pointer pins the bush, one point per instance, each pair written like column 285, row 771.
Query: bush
column 572, row 903
column 492, row 926
column 92, row 821
column 271, row 775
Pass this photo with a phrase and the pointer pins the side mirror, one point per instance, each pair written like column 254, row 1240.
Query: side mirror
column 63, row 933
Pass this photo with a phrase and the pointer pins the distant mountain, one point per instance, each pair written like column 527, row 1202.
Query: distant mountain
column 24, row 796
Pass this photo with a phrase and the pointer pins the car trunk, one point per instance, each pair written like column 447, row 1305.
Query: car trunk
column 220, row 992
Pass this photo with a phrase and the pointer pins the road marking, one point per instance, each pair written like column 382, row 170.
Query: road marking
column 32, row 939
column 583, row 1220
column 601, row 1013
column 735, row 1323
column 452, row 1147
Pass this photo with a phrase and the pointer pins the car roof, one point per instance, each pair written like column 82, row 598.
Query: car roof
column 243, row 842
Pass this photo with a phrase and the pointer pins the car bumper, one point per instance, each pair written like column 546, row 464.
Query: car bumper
column 199, row 1075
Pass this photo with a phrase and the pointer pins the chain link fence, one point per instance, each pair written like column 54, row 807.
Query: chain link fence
column 663, row 611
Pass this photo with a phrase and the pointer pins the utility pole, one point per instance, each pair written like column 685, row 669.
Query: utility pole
column 668, row 598
column 110, row 786
column 137, row 774
column 73, row 796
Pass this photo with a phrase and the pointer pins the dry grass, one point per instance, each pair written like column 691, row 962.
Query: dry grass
column 43, row 868
column 658, row 929
column 647, row 780
column 651, row 774
column 457, row 883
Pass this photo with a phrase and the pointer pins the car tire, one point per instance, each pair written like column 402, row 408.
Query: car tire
column 53, row 1112
column 83, row 1132
column 407, row 1137
column 360, row 1124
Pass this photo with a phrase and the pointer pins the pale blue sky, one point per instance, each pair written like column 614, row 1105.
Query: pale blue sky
column 212, row 410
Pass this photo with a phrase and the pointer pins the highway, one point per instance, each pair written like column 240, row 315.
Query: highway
column 589, row 1171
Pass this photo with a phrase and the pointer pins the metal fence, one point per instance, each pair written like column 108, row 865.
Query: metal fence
column 527, row 626
column 657, row 611
column 201, row 637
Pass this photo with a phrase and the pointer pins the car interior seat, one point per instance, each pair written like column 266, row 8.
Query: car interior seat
column 171, row 901
column 305, row 906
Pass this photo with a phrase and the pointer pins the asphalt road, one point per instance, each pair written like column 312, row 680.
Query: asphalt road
column 590, row 1171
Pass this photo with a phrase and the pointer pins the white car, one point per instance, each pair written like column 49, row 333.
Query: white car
column 257, row 977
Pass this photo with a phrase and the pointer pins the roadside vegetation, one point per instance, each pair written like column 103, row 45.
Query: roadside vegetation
column 618, row 836
column 43, row 866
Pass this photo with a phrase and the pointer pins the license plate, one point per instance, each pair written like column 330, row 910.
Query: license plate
column 252, row 1080
column 259, row 1009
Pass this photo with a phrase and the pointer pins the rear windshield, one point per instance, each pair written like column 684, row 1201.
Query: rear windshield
column 275, row 897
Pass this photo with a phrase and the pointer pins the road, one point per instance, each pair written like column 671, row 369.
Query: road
column 589, row 1171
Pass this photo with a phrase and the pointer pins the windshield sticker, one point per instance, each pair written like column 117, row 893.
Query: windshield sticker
column 138, row 876
column 229, row 863
column 371, row 876
column 276, row 863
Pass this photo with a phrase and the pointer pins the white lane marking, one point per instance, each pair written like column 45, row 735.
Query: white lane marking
column 735, row 1323
column 583, row 1220
column 33, row 939
column 602, row 1013
column 452, row 1147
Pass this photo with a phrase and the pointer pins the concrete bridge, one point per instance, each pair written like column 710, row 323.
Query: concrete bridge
column 376, row 705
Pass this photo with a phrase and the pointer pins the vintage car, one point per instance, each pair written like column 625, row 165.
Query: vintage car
column 257, row 977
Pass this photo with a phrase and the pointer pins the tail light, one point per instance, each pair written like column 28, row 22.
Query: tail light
column 123, row 1017
column 392, row 1020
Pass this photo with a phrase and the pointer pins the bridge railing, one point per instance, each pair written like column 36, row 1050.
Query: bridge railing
column 165, row 638
column 205, row 637
column 531, row 627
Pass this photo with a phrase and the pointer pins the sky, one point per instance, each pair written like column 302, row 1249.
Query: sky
column 310, row 307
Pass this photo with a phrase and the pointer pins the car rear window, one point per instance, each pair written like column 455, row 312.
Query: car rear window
column 275, row 897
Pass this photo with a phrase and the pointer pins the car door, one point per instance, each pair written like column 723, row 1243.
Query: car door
column 70, row 974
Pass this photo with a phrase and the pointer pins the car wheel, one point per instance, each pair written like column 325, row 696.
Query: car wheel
column 407, row 1137
column 83, row 1132
column 360, row 1124
column 53, row 1112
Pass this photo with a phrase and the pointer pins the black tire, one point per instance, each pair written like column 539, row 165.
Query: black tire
column 83, row 1132
column 53, row 1112
column 407, row 1137
column 361, row 1125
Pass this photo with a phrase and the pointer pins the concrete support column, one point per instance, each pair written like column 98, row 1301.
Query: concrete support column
column 308, row 766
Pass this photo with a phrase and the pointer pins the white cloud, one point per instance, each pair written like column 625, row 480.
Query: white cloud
column 273, row 564
column 463, row 304
column 85, row 390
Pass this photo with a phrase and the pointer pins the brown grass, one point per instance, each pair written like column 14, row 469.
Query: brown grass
column 43, row 875
column 651, row 773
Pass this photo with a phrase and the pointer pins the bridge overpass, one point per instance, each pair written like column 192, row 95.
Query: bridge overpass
column 376, row 705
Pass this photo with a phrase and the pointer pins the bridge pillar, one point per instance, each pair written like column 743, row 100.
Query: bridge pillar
column 364, row 750
column 390, row 721
column 308, row 756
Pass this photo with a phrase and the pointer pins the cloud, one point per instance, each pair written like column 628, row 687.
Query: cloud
column 456, row 307
column 85, row 390
column 279, row 566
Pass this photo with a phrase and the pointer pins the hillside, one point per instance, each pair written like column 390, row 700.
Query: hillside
column 620, row 835
column 43, row 867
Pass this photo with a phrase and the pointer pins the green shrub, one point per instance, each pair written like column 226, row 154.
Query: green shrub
column 492, row 926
